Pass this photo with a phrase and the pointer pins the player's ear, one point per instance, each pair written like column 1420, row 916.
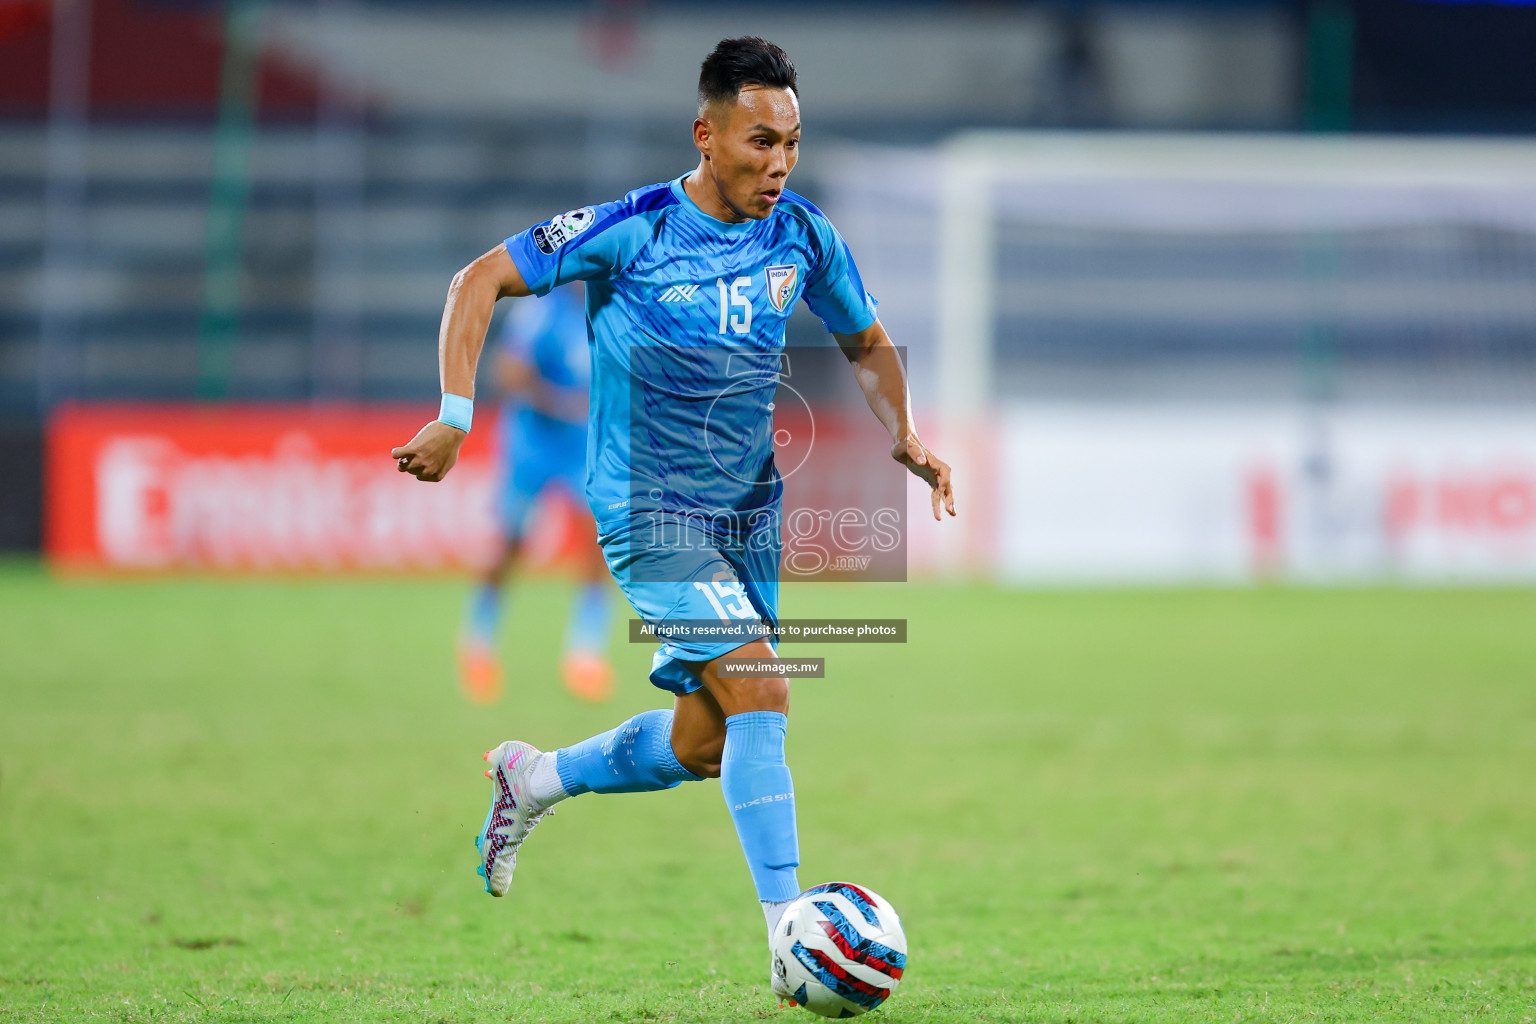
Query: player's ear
column 701, row 132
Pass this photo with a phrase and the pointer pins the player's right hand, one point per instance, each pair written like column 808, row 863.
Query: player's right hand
column 431, row 453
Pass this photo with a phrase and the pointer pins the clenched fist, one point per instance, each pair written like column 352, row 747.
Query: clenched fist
column 431, row 453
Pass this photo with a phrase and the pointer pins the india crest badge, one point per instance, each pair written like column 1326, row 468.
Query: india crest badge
column 781, row 285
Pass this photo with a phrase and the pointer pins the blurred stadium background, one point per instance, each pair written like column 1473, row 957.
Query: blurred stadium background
column 1191, row 291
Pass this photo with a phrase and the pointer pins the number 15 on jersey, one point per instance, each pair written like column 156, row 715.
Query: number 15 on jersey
column 732, row 300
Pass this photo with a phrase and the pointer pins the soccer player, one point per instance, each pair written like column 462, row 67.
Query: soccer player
column 543, row 368
column 688, row 282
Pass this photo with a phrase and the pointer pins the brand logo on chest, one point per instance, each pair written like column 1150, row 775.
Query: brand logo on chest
column 679, row 293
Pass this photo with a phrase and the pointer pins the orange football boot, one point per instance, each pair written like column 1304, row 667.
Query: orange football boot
column 587, row 675
column 479, row 672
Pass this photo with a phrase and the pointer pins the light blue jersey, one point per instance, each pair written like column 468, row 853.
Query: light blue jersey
column 538, row 448
column 550, row 336
column 686, row 315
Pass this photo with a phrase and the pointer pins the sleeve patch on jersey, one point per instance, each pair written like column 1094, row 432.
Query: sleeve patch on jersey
column 551, row 236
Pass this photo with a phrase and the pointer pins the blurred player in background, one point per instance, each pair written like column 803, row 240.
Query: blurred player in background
column 543, row 369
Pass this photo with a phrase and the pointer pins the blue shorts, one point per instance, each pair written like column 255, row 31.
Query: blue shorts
column 681, row 569
column 540, row 457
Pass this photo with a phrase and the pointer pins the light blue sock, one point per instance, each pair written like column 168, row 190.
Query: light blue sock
column 588, row 630
column 636, row 757
column 482, row 617
column 761, row 795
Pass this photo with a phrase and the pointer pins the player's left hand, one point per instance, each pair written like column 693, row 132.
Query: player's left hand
column 431, row 453
column 931, row 469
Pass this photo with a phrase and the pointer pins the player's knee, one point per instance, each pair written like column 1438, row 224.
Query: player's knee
column 739, row 694
column 762, row 693
column 773, row 694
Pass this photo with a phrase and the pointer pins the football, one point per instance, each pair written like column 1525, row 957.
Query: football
column 839, row 950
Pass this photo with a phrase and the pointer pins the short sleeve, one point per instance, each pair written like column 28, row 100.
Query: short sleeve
column 833, row 289
column 579, row 245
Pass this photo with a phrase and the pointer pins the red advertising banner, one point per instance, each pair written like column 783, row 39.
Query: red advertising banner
column 266, row 488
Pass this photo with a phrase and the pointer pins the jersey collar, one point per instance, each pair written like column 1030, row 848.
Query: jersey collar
column 686, row 202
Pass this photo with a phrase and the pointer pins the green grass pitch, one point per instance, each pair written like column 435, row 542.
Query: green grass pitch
column 237, row 801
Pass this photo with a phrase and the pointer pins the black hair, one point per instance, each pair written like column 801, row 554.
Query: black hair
column 748, row 60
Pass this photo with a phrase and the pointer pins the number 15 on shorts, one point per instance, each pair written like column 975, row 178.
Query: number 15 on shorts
column 728, row 598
